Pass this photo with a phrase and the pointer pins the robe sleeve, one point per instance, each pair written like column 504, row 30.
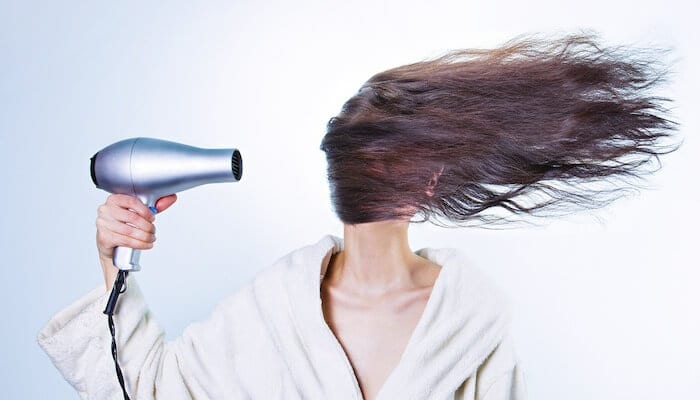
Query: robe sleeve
column 78, row 342
column 509, row 386
column 500, row 377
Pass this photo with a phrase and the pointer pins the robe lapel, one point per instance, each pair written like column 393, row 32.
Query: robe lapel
column 462, row 324
column 289, row 294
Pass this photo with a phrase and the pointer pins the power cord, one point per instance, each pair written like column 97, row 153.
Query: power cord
column 118, row 288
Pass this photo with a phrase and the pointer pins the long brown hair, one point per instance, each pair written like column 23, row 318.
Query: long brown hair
column 535, row 125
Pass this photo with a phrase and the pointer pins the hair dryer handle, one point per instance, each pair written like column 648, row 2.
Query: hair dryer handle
column 126, row 259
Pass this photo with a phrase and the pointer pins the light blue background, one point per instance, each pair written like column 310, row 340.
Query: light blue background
column 605, row 305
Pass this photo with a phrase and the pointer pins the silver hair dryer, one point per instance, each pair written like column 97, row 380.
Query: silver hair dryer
column 151, row 168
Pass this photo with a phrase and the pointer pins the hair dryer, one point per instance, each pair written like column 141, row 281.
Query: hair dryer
column 152, row 168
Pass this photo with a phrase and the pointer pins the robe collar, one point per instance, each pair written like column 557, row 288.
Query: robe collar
column 463, row 321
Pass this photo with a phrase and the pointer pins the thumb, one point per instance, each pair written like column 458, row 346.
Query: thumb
column 165, row 202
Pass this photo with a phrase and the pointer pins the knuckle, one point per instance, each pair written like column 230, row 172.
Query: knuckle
column 104, row 240
column 135, row 203
column 99, row 231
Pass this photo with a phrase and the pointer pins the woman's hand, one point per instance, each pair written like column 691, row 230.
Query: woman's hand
column 125, row 221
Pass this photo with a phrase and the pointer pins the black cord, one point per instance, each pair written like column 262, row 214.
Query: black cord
column 118, row 288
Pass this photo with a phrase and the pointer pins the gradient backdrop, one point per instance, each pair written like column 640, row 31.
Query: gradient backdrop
column 605, row 304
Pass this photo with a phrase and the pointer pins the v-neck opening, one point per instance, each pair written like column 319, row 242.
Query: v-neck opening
column 427, row 311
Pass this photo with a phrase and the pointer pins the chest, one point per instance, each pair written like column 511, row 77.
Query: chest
column 373, row 334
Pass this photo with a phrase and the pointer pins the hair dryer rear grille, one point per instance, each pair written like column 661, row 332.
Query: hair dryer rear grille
column 237, row 165
column 92, row 170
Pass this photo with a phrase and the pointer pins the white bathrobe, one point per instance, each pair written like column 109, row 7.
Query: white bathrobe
column 270, row 341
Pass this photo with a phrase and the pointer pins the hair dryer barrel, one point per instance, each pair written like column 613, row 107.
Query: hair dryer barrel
column 152, row 168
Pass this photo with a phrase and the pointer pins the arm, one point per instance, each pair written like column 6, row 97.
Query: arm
column 77, row 339
column 196, row 365
column 229, row 355
column 500, row 377
column 509, row 386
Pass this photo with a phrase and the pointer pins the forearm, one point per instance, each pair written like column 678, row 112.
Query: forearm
column 109, row 271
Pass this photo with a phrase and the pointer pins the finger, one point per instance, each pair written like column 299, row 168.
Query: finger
column 126, row 230
column 107, row 240
column 131, row 203
column 165, row 202
column 126, row 241
column 113, row 213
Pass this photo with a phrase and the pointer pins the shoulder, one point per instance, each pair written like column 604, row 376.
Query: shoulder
column 469, row 285
column 299, row 264
column 303, row 263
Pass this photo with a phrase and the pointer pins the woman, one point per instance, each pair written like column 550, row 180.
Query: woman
column 476, row 136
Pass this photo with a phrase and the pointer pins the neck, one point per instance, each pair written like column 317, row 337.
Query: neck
column 376, row 258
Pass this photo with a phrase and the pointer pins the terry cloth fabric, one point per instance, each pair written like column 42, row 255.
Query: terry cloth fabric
column 270, row 341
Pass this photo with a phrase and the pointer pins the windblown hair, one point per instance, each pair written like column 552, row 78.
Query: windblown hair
column 535, row 127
